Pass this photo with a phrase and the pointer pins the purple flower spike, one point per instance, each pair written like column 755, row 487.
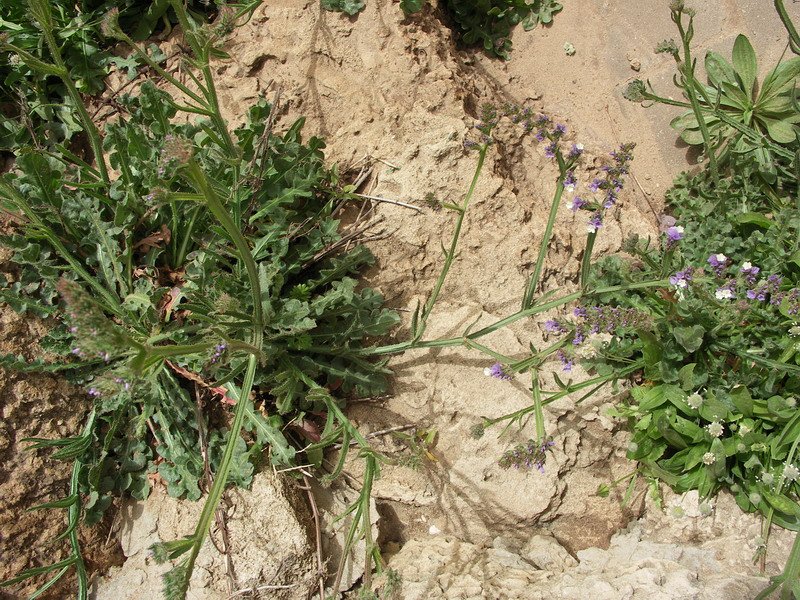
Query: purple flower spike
column 496, row 371
column 566, row 362
column 595, row 222
column 550, row 150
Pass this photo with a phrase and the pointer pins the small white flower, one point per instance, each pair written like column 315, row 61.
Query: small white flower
column 709, row 458
column 724, row 294
column 579, row 147
column 487, row 371
column 678, row 229
column 633, row 447
column 721, row 258
column 715, row 429
column 791, row 472
column 791, row 402
column 677, row 512
column 706, row 508
column 794, row 331
column 592, row 229
column 746, row 266
column 741, row 447
column 570, row 187
column 695, row 401
column 767, row 478
column 755, row 498
column 434, row 530
column 744, row 430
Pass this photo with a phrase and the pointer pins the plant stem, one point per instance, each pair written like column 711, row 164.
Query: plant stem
column 217, row 208
column 73, row 519
column 586, row 261
column 537, row 406
column 692, row 89
column 221, row 476
column 595, row 381
column 520, row 314
column 527, row 299
column 450, row 256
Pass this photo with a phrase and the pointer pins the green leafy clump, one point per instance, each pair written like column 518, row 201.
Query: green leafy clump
column 349, row 7
column 35, row 108
column 199, row 269
column 716, row 403
column 734, row 90
column 480, row 22
column 489, row 22
column 167, row 277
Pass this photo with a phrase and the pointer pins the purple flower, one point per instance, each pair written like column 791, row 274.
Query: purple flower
column 681, row 279
column 718, row 262
column 550, row 150
column 674, row 233
column 594, row 223
column 527, row 456
column 611, row 199
column 727, row 291
column 595, row 185
column 553, row 326
column 496, row 371
column 577, row 203
column 569, row 180
column 576, row 150
column 566, row 362
column 750, row 272
column 559, row 130
column 94, row 392
column 579, row 311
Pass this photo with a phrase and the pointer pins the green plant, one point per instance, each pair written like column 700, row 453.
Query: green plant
column 736, row 118
column 489, row 22
column 717, row 408
column 211, row 263
column 38, row 109
column 481, row 22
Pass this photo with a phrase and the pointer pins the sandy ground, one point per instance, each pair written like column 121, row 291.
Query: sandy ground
column 395, row 95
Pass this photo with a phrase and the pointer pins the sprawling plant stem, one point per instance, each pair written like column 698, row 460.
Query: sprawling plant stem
column 465, row 339
column 693, row 88
column 451, row 253
column 533, row 282
column 216, row 207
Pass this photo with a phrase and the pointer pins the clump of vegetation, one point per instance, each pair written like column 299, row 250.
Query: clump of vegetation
column 718, row 405
column 35, row 107
column 486, row 23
